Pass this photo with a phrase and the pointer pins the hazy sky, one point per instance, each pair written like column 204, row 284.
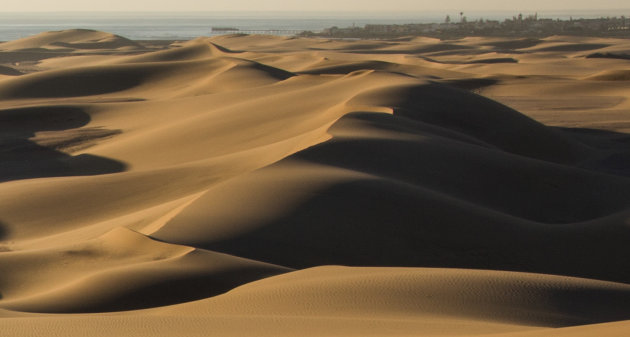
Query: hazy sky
column 310, row 5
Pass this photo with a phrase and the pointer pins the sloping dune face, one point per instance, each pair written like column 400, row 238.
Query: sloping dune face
column 470, row 187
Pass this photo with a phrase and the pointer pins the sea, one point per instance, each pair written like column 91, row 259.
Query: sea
column 184, row 25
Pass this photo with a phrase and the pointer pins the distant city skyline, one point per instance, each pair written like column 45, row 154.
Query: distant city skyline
column 306, row 6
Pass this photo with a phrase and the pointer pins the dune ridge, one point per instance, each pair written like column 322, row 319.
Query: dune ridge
column 284, row 185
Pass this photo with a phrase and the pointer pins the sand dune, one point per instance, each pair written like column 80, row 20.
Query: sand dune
column 374, row 301
column 470, row 187
column 146, row 272
column 74, row 39
column 8, row 71
column 619, row 75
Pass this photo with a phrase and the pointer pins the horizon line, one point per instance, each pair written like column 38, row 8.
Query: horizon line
column 191, row 11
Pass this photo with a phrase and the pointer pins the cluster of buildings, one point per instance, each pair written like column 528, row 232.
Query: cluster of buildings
column 517, row 26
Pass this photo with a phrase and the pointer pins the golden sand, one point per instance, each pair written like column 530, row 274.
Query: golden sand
column 272, row 186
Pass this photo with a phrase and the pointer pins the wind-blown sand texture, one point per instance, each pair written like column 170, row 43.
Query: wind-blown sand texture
column 270, row 186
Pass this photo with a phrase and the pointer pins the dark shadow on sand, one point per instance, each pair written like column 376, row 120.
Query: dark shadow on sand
column 619, row 56
column 3, row 233
column 372, row 223
column 172, row 290
column 614, row 148
column 21, row 158
column 31, row 55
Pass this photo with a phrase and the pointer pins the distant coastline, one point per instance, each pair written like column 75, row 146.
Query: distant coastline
column 186, row 26
column 519, row 25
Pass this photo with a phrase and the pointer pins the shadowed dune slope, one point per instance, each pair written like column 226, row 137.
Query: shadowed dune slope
column 9, row 71
column 24, row 156
column 372, row 302
column 120, row 270
column 478, row 117
column 471, row 187
column 435, row 189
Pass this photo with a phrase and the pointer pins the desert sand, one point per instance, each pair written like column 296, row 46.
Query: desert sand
column 279, row 186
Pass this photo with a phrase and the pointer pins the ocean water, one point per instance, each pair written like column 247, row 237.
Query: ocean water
column 155, row 26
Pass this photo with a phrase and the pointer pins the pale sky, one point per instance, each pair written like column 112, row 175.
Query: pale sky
column 310, row 5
